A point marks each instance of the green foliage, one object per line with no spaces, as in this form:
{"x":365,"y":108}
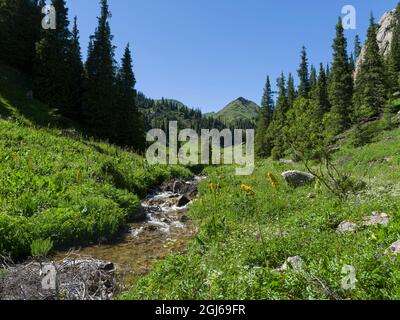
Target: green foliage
{"x":41,"y":248}
{"x":227,"y":259}
{"x":68,"y":189}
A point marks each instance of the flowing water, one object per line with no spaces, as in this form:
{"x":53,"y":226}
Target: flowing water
{"x":165,"y":230}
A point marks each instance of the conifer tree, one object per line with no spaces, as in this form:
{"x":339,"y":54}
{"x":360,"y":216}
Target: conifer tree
{"x":100,"y":88}
{"x":262,"y":143}
{"x":53,"y":80}
{"x":313,"y":78}
{"x":304,"y":86}
{"x":370,"y":87}
{"x":291,"y":91}
{"x":19,"y":31}
{"x":394,"y":55}
{"x":130,"y":128}
{"x":320,"y":95}
{"x":340,"y":85}
{"x":278,"y":125}
{"x":357,"y":47}
{"x":76,"y":74}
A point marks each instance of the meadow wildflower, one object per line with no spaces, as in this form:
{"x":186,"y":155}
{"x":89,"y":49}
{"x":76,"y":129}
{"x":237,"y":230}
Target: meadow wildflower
{"x":273,"y":180}
{"x":247,"y":189}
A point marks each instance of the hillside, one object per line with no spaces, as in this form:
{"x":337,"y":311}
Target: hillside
{"x":58,"y":185}
{"x":252,"y":225}
{"x":240,"y":109}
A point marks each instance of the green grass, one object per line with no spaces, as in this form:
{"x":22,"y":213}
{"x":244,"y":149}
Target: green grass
{"x":243,"y":238}
{"x":57,"y":185}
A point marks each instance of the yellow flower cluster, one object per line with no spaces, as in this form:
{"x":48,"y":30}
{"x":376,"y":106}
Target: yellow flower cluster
{"x":273,"y":180}
{"x":247,"y":189}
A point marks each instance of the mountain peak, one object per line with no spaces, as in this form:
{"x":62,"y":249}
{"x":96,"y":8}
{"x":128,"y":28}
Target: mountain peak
{"x":239,"y":109}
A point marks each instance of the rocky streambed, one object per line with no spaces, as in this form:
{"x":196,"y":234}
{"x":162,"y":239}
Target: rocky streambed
{"x":162,"y":228}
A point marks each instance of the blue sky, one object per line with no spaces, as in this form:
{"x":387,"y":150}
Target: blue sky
{"x":206,"y":53}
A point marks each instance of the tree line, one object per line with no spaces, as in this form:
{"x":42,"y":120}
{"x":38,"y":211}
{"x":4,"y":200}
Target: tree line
{"x":329,"y":101}
{"x":97,"y":93}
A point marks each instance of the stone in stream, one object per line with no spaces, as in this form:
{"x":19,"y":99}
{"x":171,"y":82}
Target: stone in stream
{"x":182,"y":201}
{"x":297,"y":178}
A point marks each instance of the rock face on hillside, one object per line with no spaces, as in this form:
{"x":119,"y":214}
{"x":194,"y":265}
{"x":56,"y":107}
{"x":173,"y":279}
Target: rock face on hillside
{"x":384,"y":36}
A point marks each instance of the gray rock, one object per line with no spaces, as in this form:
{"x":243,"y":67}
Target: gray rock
{"x":286,"y":161}
{"x":296,"y":263}
{"x":376,"y":219}
{"x":384,"y":37}
{"x":297,"y":178}
{"x":346,"y":226}
{"x":183,"y":201}
{"x":395,"y":248}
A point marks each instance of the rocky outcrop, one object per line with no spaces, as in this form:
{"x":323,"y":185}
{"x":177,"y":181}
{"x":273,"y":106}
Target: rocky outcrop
{"x":384,"y":37}
{"x":297,"y":178}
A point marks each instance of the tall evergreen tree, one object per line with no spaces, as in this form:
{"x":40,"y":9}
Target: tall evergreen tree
{"x":340,"y":85}
{"x":76,"y":74}
{"x":320,"y":94}
{"x":291,"y":91}
{"x":313,"y":78}
{"x":394,"y":55}
{"x":130,"y":128}
{"x":278,"y":125}
{"x":100,"y":88}
{"x":19,"y":31}
{"x":370,"y":87}
{"x":56,"y":68}
{"x":304,"y":86}
{"x":262,"y":143}
{"x":357,"y":47}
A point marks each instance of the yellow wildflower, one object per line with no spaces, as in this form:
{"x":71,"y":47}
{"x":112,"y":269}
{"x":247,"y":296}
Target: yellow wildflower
{"x":274,"y":181}
{"x":247,"y":189}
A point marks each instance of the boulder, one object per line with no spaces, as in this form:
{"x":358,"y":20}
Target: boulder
{"x":296,"y":263}
{"x":297,"y":178}
{"x":183,"y":201}
{"x":346,"y":226}
{"x":376,"y":219}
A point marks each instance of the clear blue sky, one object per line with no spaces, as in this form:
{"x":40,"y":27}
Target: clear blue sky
{"x":206,"y":53}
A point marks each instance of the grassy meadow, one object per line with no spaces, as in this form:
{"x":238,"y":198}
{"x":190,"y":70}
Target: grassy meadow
{"x":249,"y":226}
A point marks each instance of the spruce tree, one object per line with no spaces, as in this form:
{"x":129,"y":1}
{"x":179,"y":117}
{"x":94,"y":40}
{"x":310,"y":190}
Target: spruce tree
{"x":130,"y":128}
{"x":394,"y":55}
{"x":320,"y":94}
{"x":291,"y":91}
{"x":278,"y":125}
{"x":100,"y":88}
{"x":19,"y":31}
{"x":76,"y":74}
{"x":304,"y":86}
{"x":357,"y":47}
{"x":340,"y":85}
{"x":370,"y":87}
{"x":262,"y":143}
{"x":52,"y":81}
